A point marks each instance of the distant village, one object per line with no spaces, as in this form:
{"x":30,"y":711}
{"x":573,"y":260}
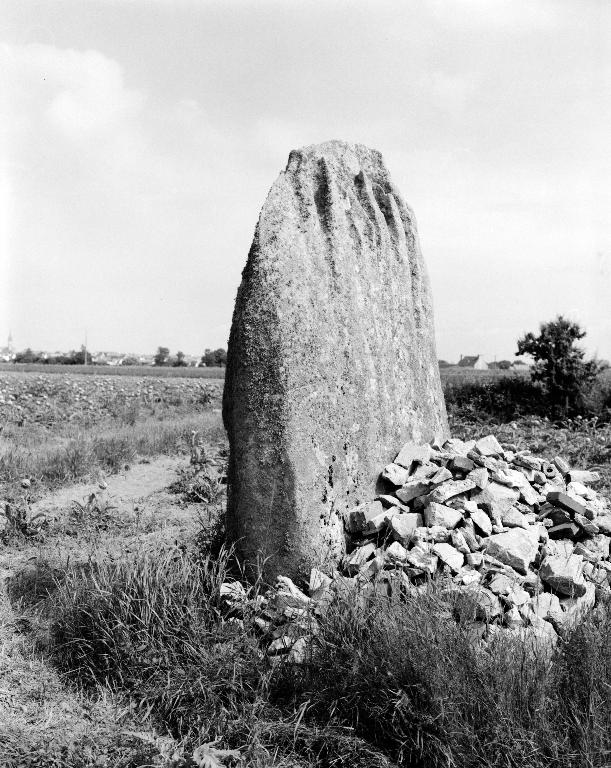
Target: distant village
{"x":162,"y":357}
{"x":216,"y":357}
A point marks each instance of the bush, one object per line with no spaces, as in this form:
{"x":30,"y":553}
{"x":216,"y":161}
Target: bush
{"x":505,"y":398}
{"x":560,"y":366}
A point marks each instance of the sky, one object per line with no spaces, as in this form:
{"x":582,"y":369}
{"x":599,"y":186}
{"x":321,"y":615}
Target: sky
{"x":139,"y":138}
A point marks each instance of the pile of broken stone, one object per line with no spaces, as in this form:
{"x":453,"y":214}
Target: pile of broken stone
{"x":525,"y":539}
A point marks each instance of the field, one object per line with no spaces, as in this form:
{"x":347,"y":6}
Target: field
{"x":118,"y":370}
{"x":117,"y":649}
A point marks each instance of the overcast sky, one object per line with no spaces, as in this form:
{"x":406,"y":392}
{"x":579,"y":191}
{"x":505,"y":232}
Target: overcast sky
{"x":139,"y":140}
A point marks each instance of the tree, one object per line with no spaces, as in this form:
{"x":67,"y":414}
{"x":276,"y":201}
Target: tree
{"x":27,"y":356}
{"x":216,"y":357}
{"x":161,"y":356}
{"x":559,"y":365}
{"x":179,"y":361}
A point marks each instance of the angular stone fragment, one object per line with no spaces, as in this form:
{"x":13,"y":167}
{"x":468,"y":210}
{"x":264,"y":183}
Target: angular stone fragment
{"x":513,"y":519}
{"x":486,"y":605}
{"x":564,"y":531}
{"x":450,"y":489}
{"x":395,"y":474}
{"x":411,"y":490}
{"x":545,"y":605}
{"x":564,"y":574}
{"x":461,"y":464}
{"x":358,"y":558}
{"x":475,"y":559}
{"x":459,"y":542}
{"x":392,"y":501}
{"x":442,"y":474}
{"x":488,"y":446}
{"x":449,"y":555}
{"x":582,"y":476}
{"x":470,"y":538}
{"x":438,"y":514}
{"x":359,"y":517}
{"x":411,"y":453}
{"x":331,"y":362}
{"x":496,"y":498}
{"x":586,"y":525}
{"x":562,"y":465}
{"x":423,"y":558}
{"x":482,"y":521}
{"x":579,"y":490}
{"x":396,"y":552}
{"x":318,"y":579}
{"x":566,"y":502}
{"x":527,"y":461}
{"x":516,"y":548}
{"x":403,"y":526}
{"x":479,"y":476}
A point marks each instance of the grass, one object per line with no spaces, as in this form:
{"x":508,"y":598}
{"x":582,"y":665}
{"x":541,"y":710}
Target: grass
{"x":86,"y":452}
{"x":153,"y":665}
{"x":395,"y":683}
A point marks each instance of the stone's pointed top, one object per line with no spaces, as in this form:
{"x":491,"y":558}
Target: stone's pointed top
{"x":350,"y":162}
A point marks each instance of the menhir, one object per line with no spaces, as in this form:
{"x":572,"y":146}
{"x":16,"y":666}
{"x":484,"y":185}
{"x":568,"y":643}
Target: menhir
{"x":331,"y":362}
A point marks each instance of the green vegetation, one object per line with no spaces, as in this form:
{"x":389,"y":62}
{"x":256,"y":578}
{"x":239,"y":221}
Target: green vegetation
{"x":565,"y":376}
{"x":59,"y":429}
{"x":392,"y":683}
{"x":136,"y":660}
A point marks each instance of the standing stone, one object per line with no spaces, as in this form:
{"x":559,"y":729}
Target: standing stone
{"x":331,"y":364}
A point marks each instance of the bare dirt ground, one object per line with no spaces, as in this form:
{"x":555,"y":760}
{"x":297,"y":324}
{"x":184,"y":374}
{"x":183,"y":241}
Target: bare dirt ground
{"x":134,"y":513}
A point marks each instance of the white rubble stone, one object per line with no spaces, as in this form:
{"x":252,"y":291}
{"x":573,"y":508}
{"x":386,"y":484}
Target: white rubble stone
{"x":422,"y":557}
{"x":439,"y":514}
{"x":496,"y":498}
{"x":459,"y":542}
{"x":564,"y":574}
{"x":412,"y":452}
{"x":359,"y":517}
{"x":545,"y":605}
{"x":403,"y":526}
{"x":441,"y":476}
{"x":516,"y":547}
{"x":475,"y":559}
{"x":482,"y":521}
{"x":580,"y":490}
{"x":412,"y":489}
{"x":359,"y":557}
{"x":318,"y":579}
{"x":396,"y":552}
{"x":468,"y":576}
{"x":479,"y":476}
{"x":512,"y":518}
{"x":395,"y":474}
{"x":470,"y":538}
{"x":587,"y":525}
{"x":488,"y":446}
{"x":500,"y":584}
{"x":449,"y":555}
{"x":450,"y":489}
{"x":582,"y":476}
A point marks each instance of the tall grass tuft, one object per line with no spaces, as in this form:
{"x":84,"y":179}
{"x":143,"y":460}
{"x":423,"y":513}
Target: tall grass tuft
{"x":395,"y":683}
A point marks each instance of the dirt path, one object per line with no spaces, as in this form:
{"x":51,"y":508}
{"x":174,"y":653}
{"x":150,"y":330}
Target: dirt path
{"x":134,"y":513}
